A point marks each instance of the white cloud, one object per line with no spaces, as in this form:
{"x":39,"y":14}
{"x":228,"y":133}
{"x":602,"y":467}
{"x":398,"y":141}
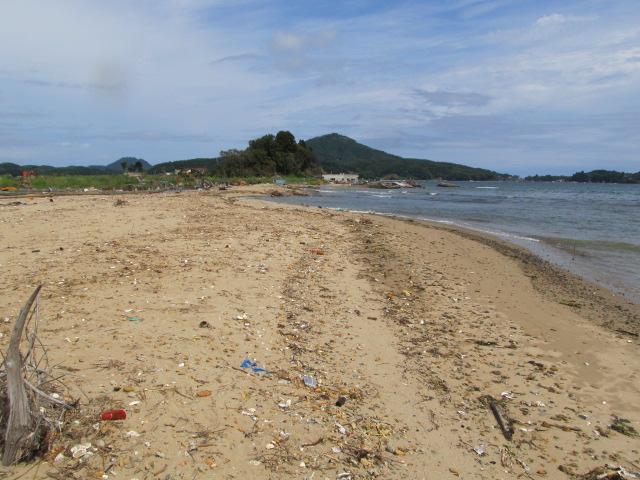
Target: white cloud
{"x":294,"y":42}
{"x":559,"y":19}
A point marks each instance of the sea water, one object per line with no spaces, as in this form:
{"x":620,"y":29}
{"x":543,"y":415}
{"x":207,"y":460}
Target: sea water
{"x":592,"y":230}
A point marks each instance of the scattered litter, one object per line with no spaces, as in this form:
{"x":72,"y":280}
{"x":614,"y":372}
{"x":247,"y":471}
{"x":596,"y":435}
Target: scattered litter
{"x":114,"y":415}
{"x":608,"y":472}
{"x":135,"y":402}
{"x":134,"y":319}
{"x":341,"y":429}
{"x":242,"y":316}
{"x":203,"y":393}
{"x":309,"y":381}
{"x":253,"y":366}
{"x":132,"y":434}
{"x":270,"y":446}
{"x":480,"y":449}
{"x":204,"y":324}
{"x":507,"y":394}
{"x":81,"y":450}
{"x":286,"y":404}
{"x":336,"y":449}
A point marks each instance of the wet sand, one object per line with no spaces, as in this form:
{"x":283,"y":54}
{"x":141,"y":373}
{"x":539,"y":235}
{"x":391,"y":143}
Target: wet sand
{"x":412,"y":324}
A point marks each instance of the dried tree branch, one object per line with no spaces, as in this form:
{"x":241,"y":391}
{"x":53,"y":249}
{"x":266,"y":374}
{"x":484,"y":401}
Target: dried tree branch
{"x":20,"y":422}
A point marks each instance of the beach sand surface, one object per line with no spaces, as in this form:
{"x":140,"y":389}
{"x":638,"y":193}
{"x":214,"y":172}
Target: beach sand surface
{"x":153,"y":305}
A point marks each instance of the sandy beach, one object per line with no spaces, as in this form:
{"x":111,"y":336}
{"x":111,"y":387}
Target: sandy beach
{"x":381,"y":340}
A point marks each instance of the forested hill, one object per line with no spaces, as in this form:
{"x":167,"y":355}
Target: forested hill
{"x":268,"y":155}
{"x":337,"y":153}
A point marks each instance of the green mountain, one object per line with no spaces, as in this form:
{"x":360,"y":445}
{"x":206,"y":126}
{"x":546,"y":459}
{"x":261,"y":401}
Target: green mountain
{"x":337,"y":153}
{"x":15,"y":170}
{"x":211,"y":164}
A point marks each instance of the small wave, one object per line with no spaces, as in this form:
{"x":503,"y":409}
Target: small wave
{"x":488,"y":188}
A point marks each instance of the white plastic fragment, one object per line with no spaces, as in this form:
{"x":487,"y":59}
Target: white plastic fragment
{"x":81,"y":450}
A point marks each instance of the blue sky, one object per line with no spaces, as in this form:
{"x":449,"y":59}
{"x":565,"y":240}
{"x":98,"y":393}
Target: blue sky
{"x":520,"y":86}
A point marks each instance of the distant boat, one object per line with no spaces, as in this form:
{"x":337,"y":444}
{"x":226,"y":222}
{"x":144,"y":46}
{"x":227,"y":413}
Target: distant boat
{"x":444,"y":183}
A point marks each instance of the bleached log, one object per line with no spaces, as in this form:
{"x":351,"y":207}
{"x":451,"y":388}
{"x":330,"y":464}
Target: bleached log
{"x":20,"y":422}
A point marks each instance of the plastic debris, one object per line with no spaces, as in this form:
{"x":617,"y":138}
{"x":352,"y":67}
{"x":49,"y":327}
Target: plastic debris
{"x":118,"y":414}
{"x":204,"y":393}
{"x":480,"y":449}
{"x":246,"y":363}
{"x":286,"y":404}
{"x":309,"y":381}
{"x":341,"y":429}
{"x":132,"y":434}
{"x":81,"y":450}
{"x":134,"y":319}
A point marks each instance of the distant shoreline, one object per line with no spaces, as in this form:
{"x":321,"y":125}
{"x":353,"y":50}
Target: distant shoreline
{"x":600,"y":304}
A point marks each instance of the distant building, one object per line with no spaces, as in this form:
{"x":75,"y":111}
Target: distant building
{"x":191,"y":172}
{"x":341,"y":177}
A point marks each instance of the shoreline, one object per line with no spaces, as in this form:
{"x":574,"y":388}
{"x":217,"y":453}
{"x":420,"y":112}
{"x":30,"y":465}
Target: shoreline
{"x":380,"y":337}
{"x":603,"y":305}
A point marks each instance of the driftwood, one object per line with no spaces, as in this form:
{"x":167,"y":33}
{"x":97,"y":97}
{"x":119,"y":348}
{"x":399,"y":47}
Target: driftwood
{"x":27,"y":387}
{"x":20,"y":422}
{"x":501,"y":418}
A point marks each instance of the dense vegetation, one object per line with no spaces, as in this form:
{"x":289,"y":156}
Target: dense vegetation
{"x":131,"y":164}
{"x":337,"y":153}
{"x":595,"y":176}
{"x":269,"y":155}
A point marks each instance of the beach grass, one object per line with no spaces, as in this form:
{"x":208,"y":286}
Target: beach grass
{"x":9,"y":181}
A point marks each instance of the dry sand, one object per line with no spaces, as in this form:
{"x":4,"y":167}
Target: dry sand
{"x":412,"y":324}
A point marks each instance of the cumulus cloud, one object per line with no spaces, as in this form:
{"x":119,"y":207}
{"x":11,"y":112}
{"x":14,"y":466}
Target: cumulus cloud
{"x":170,"y":79}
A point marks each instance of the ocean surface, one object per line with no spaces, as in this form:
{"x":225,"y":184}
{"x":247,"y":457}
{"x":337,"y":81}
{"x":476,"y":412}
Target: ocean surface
{"x":592,"y":230}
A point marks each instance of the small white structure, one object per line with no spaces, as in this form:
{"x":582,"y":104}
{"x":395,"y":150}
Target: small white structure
{"x":341,"y":177}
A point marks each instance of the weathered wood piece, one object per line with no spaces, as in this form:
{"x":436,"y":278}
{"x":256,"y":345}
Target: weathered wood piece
{"x":20,"y":421}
